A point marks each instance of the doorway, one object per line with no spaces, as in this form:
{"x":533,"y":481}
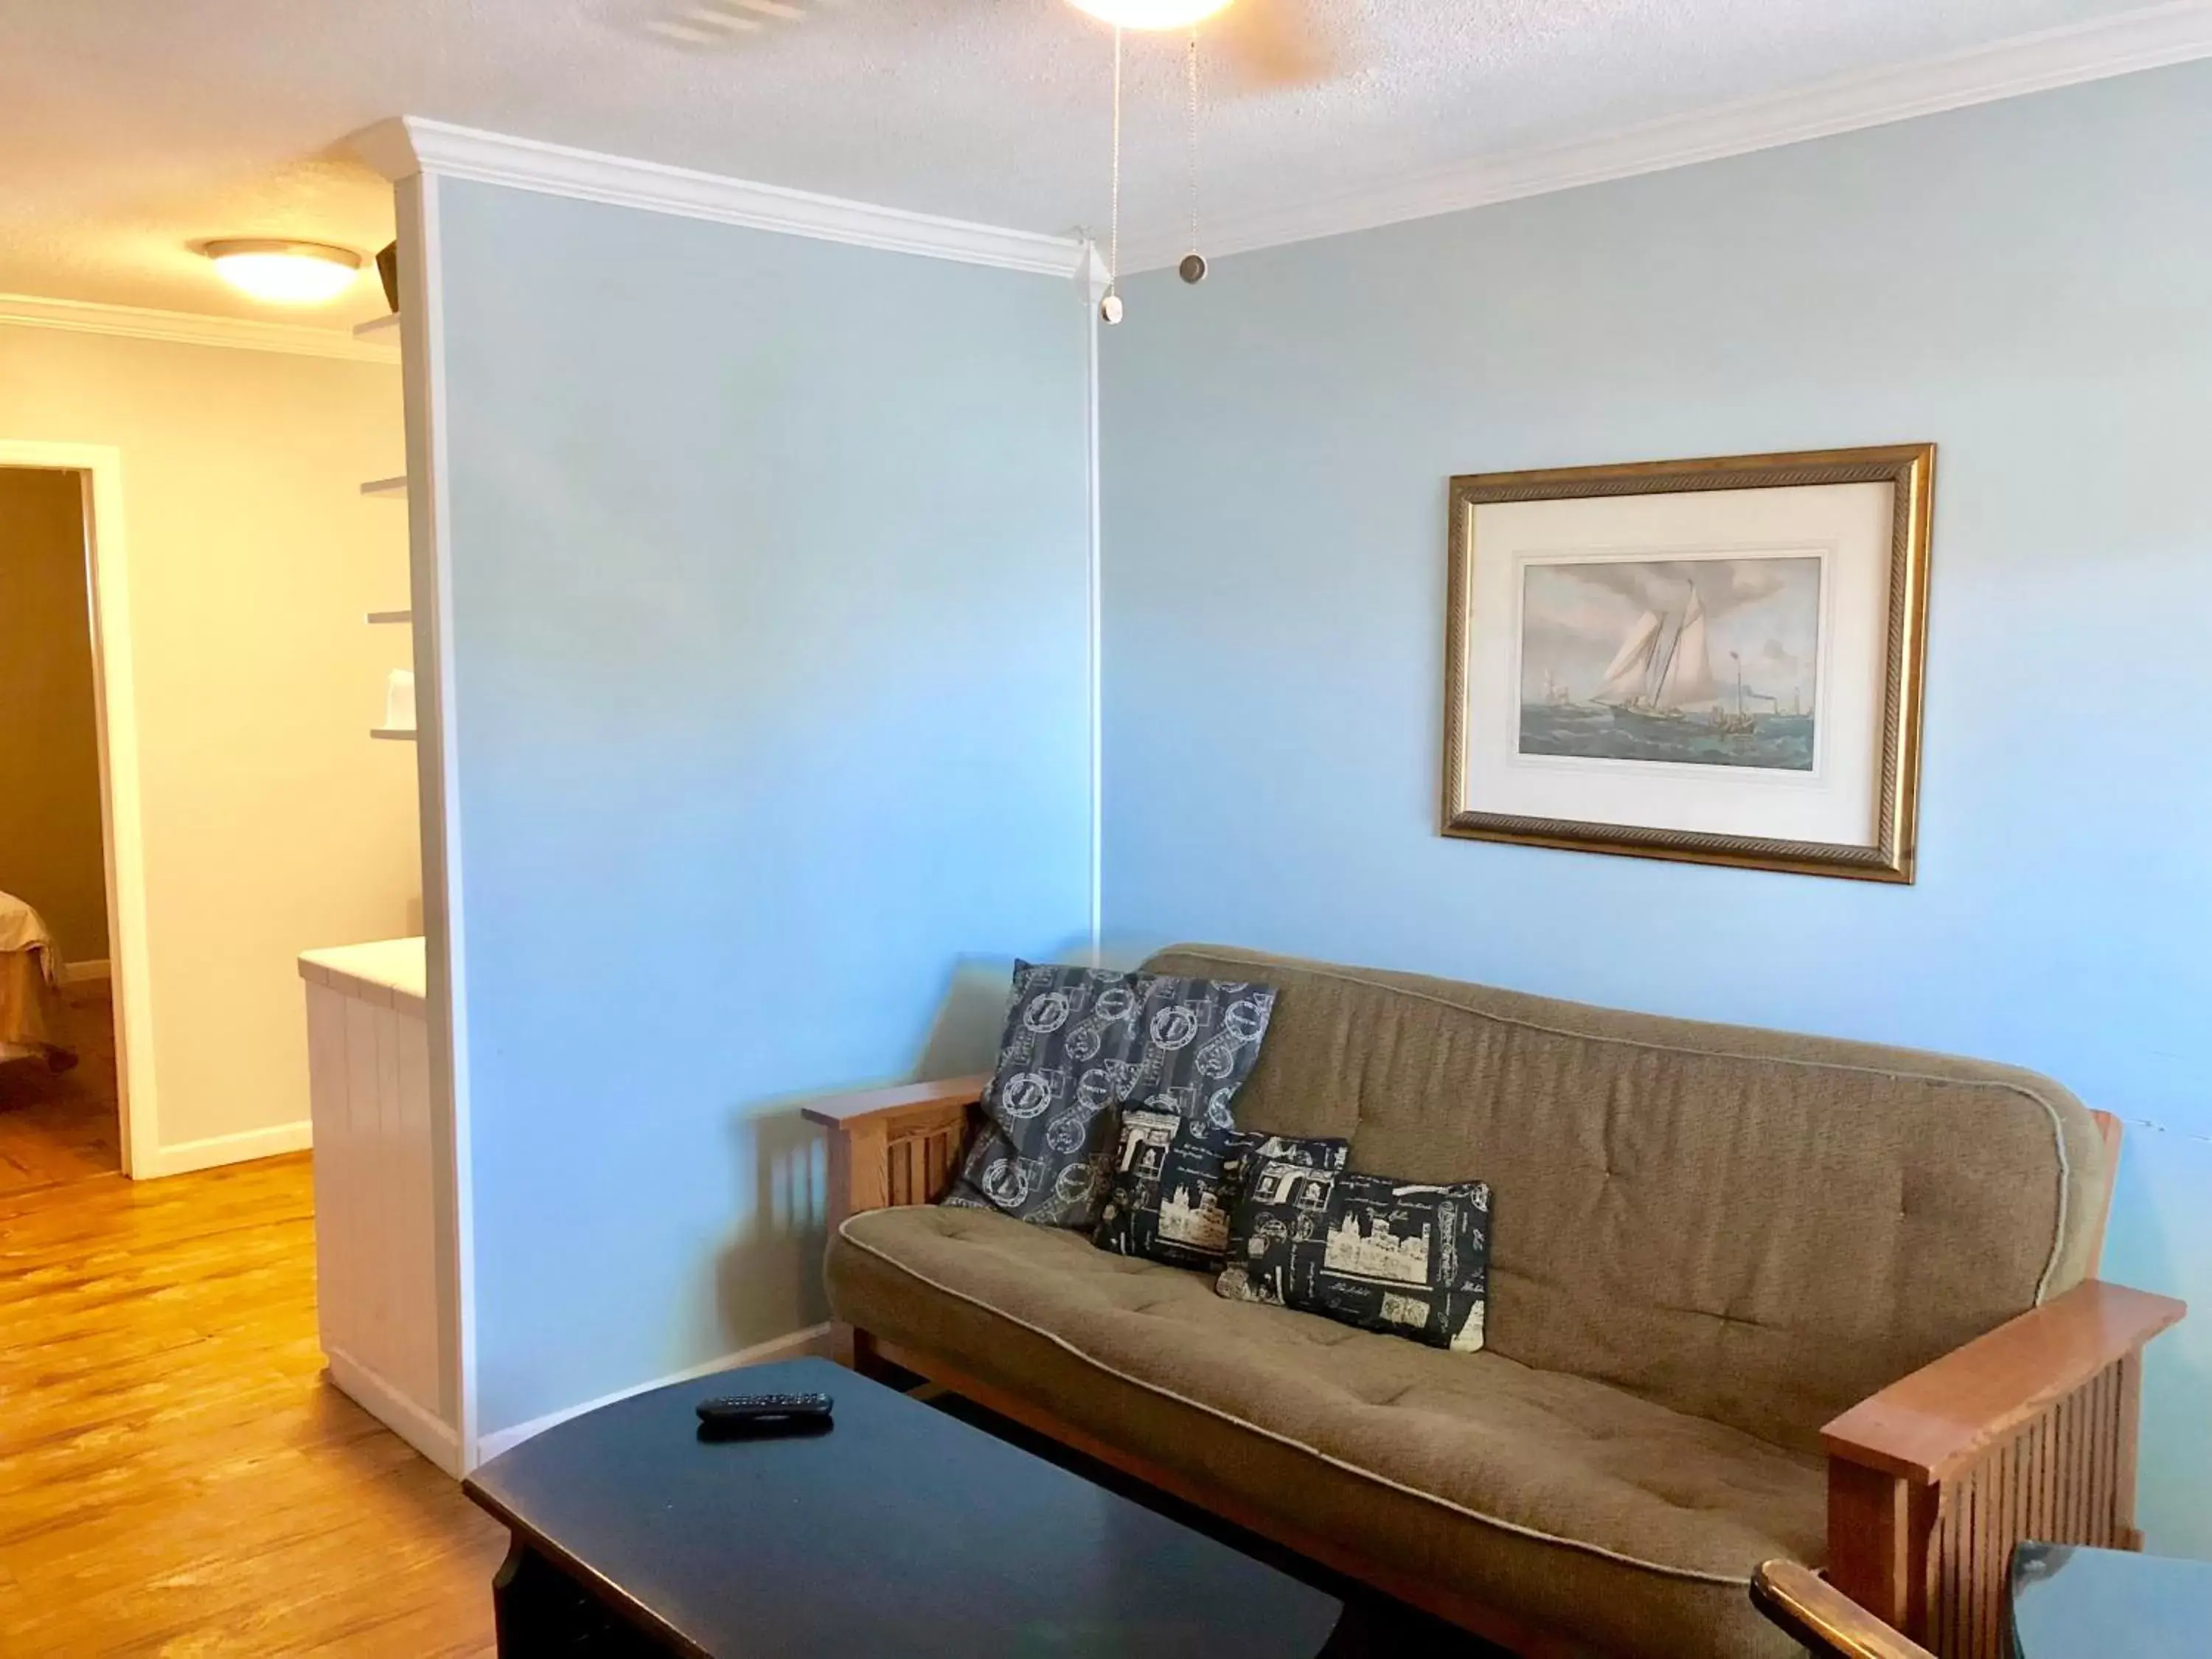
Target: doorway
{"x":71,"y":885}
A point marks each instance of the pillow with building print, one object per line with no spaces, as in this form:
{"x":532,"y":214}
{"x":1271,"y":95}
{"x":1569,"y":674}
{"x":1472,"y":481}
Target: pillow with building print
{"x":1080,"y":1041}
{"x":1174,"y":1180}
{"x":1407,"y":1258}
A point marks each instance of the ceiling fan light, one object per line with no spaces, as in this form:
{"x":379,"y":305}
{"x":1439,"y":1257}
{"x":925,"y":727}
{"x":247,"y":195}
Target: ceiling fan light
{"x":1151,"y":14}
{"x":284,"y":273}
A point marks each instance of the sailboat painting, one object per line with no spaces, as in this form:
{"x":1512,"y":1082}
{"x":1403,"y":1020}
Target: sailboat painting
{"x":1696,"y":661}
{"x":1716,"y":660}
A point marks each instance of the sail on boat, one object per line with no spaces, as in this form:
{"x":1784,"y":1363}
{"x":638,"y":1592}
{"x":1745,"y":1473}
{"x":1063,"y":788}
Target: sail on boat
{"x":1628,"y":676}
{"x":1687,"y":676}
{"x":1657,"y":678}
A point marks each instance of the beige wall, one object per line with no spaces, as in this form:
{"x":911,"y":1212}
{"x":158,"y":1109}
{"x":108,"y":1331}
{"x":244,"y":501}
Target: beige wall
{"x":272,"y":823}
{"x":50,"y":845}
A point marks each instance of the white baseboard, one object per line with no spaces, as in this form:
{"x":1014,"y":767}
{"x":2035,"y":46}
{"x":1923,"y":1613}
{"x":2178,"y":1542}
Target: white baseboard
{"x":815,"y":1339}
{"x":76,"y":972}
{"x":425,"y":1430}
{"x":189,"y":1155}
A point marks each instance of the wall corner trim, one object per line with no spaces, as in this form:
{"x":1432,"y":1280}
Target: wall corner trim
{"x":190,"y":328}
{"x":420,"y":1428}
{"x":387,"y":147}
{"x":2149,"y":37}
{"x":408,"y":144}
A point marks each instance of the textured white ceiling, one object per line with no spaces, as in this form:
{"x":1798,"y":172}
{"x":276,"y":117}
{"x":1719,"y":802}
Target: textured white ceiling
{"x":130,"y":128}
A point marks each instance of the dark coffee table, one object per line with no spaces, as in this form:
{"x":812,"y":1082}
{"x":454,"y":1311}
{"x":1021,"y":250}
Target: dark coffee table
{"x":2071,"y":1601}
{"x":900,"y":1533}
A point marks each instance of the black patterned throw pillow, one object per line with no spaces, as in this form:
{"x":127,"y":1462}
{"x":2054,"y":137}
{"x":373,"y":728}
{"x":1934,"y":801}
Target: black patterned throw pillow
{"x":1403,"y":1257}
{"x":1174,"y":1180}
{"x":1079,"y":1041}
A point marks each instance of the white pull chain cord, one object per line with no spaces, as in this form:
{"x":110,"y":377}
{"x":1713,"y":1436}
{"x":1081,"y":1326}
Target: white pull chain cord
{"x":1110,"y":307}
{"x":1193,"y":268}
{"x":1193,"y":78}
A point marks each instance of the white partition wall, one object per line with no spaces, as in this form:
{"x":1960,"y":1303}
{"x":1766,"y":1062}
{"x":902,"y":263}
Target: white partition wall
{"x":382,"y":1306}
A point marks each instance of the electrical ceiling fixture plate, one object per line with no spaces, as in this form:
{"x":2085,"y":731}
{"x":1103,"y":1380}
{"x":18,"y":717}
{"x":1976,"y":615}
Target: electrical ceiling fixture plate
{"x":1151,"y":14}
{"x":288,"y":273}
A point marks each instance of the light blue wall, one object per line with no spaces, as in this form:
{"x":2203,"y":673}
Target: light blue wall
{"x":770,"y":576}
{"x":2027,"y":284}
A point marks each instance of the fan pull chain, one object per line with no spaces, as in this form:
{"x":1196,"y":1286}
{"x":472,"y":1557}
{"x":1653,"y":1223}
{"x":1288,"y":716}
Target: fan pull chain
{"x":1110,"y":307}
{"x":1193,"y":268}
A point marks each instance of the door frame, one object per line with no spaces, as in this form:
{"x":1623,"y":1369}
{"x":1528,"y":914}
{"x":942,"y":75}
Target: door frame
{"x":115,"y":708}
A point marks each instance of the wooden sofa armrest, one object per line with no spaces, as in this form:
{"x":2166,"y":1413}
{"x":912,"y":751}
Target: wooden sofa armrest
{"x":896,"y":1145}
{"x":2027,"y":1432}
{"x":1947,"y":1414}
{"x":891,"y":1146}
{"x":900,"y":1100}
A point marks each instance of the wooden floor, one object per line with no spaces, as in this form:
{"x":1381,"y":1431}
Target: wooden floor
{"x":61,"y":1126}
{"x":175,"y":1476}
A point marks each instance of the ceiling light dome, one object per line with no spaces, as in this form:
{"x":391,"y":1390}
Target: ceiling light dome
{"x":1151,"y":14}
{"x":286,"y":273}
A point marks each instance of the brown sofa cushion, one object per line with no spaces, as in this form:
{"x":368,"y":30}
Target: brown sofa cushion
{"x":1546,"y":1495}
{"x":1750,"y":1226}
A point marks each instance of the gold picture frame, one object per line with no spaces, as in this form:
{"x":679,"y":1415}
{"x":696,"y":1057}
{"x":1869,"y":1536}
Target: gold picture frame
{"x":1563,"y":739}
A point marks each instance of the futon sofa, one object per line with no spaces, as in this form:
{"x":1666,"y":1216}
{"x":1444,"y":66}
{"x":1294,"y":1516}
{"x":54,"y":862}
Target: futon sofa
{"x":1751,"y":1296}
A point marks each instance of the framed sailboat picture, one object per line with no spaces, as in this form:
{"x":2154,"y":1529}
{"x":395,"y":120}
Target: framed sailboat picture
{"x":1713,"y":660}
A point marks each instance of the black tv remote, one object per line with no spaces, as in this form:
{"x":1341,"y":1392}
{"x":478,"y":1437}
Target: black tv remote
{"x":761,"y":1412}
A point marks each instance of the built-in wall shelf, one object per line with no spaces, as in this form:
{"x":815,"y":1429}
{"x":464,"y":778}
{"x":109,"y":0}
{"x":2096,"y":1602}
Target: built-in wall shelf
{"x":399,"y":693}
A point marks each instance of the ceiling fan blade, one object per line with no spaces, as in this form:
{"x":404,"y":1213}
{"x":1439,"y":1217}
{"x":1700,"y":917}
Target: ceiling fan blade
{"x":1264,"y":45}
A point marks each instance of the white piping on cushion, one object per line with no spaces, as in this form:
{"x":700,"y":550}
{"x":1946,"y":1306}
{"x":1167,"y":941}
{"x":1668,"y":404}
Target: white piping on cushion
{"x":1690,"y":1574}
{"x":1259,"y":959}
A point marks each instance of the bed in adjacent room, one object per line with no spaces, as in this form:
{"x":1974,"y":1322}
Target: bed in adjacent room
{"x":30,"y":1024}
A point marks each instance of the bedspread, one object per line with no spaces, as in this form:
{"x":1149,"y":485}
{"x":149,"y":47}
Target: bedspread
{"x":30,"y":1001}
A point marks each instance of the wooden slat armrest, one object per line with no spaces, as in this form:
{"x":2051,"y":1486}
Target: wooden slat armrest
{"x":839,"y":1111}
{"x":892,"y":1147}
{"x":1927,"y":1426}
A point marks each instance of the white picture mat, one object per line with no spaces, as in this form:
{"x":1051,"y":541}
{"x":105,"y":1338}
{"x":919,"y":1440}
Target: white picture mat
{"x":1848,"y":526}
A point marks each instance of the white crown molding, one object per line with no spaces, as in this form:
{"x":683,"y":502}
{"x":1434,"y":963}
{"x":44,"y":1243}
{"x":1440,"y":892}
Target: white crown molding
{"x":408,"y":144}
{"x":2150,"y":38}
{"x":188,"y":328}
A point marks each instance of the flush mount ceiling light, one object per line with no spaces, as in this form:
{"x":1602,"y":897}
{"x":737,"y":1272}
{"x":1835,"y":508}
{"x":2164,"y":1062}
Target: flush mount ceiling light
{"x":286,"y":273}
{"x":1151,"y":14}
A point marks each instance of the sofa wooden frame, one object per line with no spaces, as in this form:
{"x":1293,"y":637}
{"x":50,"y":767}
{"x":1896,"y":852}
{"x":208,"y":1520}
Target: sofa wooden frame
{"x":2028,"y":1431}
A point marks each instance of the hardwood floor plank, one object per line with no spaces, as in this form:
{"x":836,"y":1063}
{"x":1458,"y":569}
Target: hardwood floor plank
{"x":177,"y":1477}
{"x":60,"y":1127}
